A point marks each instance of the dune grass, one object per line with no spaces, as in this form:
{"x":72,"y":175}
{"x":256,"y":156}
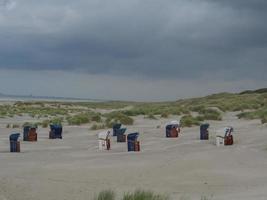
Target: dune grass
{"x":151,"y":116}
{"x":105,"y":195}
{"x":118,"y":117}
{"x":78,"y":119}
{"x":143,"y":195}
{"x":164,"y":115}
{"x":15,"y":126}
{"x":210,"y":114}
{"x":189,"y":121}
{"x":98,"y":126}
{"x":136,"y":195}
{"x":45,"y":123}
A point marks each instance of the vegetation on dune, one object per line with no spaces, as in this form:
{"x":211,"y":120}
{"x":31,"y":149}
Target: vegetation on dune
{"x":259,"y":91}
{"x":252,"y":104}
{"x":226,"y":102}
{"x":257,"y":114}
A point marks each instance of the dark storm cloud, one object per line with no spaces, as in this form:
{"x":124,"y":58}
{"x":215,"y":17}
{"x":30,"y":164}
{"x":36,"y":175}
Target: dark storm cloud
{"x":173,"y":38}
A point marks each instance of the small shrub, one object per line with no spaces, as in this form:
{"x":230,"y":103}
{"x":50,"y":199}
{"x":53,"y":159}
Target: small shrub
{"x":185,"y":111}
{"x":164,"y":115}
{"x":30,"y":124}
{"x":150,"y":116}
{"x":56,"y":120}
{"x":244,"y":115}
{"x":118,"y":117}
{"x":26,"y":124}
{"x":258,"y":114}
{"x":78,"y":119}
{"x":105,"y":195}
{"x":200,"y":118}
{"x":45,"y":123}
{"x":188,"y":121}
{"x":264,"y":120}
{"x":15,"y":126}
{"x":210,"y":114}
{"x":198,"y":108}
{"x":96,"y":118}
{"x":143,"y":195}
{"x":8,"y":126}
{"x":206,"y":198}
{"x":97,"y":126}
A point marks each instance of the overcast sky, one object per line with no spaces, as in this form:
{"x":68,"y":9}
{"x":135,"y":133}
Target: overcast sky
{"x":134,"y":49}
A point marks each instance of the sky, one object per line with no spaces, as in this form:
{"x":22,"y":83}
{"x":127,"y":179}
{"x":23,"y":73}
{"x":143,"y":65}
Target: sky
{"x":142,"y":50}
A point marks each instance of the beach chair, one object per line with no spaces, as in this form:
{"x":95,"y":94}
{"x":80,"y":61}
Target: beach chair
{"x":224,"y":137}
{"x":104,"y":140}
{"x":172,"y":129}
{"x":55,"y":131}
{"x":204,"y":132}
{"x":29,"y":133}
{"x":116,"y":127}
{"x":14,"y":143}
{"x":228,"y":138}
{"x":132,"y":142}
{"x":121,"y":137}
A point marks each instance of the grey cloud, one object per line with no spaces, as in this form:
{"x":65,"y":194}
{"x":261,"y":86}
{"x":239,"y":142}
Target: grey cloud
{"x":151,"y":38}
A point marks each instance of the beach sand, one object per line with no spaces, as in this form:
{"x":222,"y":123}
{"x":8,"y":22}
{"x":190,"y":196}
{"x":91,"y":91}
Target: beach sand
{"x":184,"y":167}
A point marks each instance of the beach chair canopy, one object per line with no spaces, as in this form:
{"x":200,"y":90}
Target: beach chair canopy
{"x":204,"y":126}
{"x":56,"y":130}
{"x":29,"y":126}
{"x":116,"y":126}
{"x":121,"y":131}
{"x":228,"y":131}
{"x":132,"y":136}
{"x":172,"y":124}
{"x":225,"y":131}
{"x":104,"y":135}
{"x":55,"y":126}
{"x":14,"y":136}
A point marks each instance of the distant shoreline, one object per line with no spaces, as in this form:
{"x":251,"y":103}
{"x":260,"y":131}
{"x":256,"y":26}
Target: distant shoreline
{"x":58,"y":99}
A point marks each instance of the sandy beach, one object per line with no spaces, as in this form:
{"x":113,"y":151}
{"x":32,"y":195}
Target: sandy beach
{"x":184,"y":168}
